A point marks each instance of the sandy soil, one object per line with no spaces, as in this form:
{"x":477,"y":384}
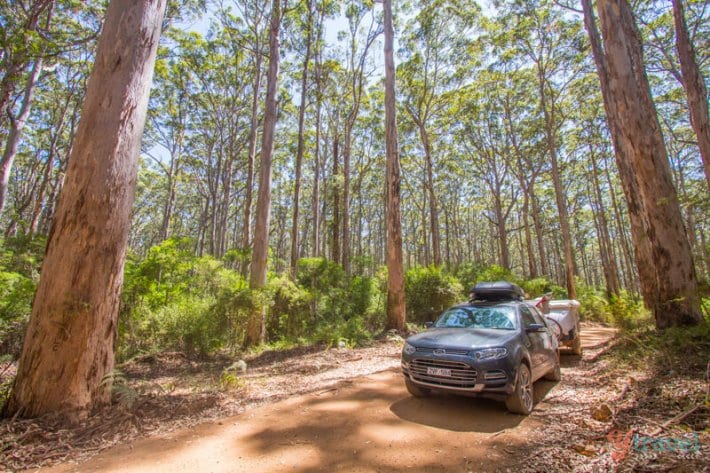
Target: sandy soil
{"x":368,"y":423}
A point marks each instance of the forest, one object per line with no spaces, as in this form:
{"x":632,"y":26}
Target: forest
{"x":279,"y":203}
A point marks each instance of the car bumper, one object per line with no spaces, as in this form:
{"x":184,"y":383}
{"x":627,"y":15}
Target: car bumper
{"x":465,"y":376}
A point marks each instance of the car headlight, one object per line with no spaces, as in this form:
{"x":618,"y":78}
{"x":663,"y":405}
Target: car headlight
{"x":409,"y":349}
{"x":491,"y":354}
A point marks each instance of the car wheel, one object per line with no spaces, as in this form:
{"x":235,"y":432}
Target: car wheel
{"x":577,"y":343}
{"x":415,"y":390}
{"x":521,"y":401}
{"x":555,"y":373}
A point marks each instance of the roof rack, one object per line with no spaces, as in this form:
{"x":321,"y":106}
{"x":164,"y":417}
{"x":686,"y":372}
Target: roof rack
{"x":497,"y":291}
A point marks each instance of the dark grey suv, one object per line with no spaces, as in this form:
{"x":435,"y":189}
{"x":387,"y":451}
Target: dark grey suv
{"x":496,"y":345}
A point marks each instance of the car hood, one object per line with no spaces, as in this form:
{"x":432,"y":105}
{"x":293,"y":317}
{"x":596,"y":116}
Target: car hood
{"x":462,"y":338}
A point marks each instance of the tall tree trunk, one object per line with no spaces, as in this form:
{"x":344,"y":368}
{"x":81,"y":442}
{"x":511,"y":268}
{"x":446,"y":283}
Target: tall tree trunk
{"x":347,"y":152}
{"x":69,"y":343}
{"x":299,"y":151}
{"x":694,"y":86}
{"x":253,"y":132}
{"x":675,"y":299}
{"x":433,"y":208}
{"x":336,"y":195}
{"x":316,"y":154}
{"x":548,"y":109}
{"x":255,"y":325}
{"x":642,"y":248}
{"x":395,"y":270}
{"x":611,"y":272}
{"x":17,"y":124}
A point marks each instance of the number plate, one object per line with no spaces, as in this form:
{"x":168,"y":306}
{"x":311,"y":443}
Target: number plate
{"x":439,"y":372}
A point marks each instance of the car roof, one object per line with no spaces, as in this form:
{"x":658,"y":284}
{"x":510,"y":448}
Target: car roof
{"x":488,"y":304}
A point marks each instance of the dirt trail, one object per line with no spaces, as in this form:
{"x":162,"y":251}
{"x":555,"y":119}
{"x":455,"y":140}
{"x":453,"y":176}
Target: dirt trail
{"x":368,"y":423}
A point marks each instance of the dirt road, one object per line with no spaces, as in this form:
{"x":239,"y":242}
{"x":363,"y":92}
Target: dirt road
{"x":368,"y":424}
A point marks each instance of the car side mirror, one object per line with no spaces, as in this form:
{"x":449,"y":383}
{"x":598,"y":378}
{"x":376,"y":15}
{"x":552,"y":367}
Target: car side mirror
{"x":428,"y":324}
{"x":535,"y":328}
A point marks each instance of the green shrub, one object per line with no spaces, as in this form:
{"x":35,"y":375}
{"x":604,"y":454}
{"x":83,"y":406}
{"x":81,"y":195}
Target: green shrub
{"x":16,"y":293}
{"x":538,"y":286}
{"x":290,"y":311}
{"x":428,"y":291}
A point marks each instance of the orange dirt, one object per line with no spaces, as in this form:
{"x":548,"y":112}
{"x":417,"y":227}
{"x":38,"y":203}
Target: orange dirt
{"x":368,"y":423}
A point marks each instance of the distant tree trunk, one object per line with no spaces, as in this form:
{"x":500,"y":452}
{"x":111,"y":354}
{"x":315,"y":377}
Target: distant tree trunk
{"x":13,"y":64}
{"x":253,"y":132}
{"x":537,"y":221}
{"x":69,"y":343}
{"x":255,"y":325}
{"x":674,"y":299}
{"x":173,"y":170}
{"x":532,"y":267}
{"x":548,"y":109}
{"x":395,"y":270}
{"x":694,"y":86}
{"x":607,"y":252}
{"x":336,"y":195}
{"x":48,"y":169}
{"x":433,"y":208}
{"x":299,"y":151}
{"x":316,"y":156}
{"x":17,"y":124}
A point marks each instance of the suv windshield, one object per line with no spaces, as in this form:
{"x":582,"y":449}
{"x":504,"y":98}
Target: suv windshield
{"x":496,"y":317}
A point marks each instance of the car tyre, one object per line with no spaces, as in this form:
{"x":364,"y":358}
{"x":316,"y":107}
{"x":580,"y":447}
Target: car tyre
{"x":414,"y":390}
{"x":521,"y":401}
{"x":555,"y":374}
{"x":577,"y":343}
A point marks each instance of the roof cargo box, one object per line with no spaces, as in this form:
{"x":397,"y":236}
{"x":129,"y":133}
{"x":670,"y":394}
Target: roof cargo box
{"x":497,"y":291}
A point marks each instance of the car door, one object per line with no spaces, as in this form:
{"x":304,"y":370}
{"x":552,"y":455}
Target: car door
{"x":535,"y":342}
{"x":548,"y":354}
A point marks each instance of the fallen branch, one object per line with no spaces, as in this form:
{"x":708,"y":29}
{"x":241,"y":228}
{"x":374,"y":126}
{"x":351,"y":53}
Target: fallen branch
{"x":674,"y":420}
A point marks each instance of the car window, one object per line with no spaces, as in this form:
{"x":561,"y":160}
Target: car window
{"x":496,"y":317}
{"x":528,"y":318}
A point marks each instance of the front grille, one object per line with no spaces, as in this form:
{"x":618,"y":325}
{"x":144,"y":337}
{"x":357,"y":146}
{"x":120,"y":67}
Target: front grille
{"x":447,"y":351}
{"x":462,"y":375}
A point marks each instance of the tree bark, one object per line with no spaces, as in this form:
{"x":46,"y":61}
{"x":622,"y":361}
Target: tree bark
{"x":69,"y":343}
{"x":674,"y":299}
{"x":299,"y":151}
{"x":253,"y":131}
{"x":395,"y":271}
{"x":433,"y":208}
{"x":694,"y":86}
{"x":255,"y":325}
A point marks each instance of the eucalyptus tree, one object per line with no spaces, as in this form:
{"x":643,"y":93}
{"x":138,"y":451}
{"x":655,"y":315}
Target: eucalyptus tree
{"x":41,"y":160}
{"x":694,"y":85}
{"x":257,"y":279}
{"x":247,"y":27}
{"x":437,"y":35}
{"x":307,"y":26}
{"x":670,"y":287}
{"x":34,"y":35}
{"x":543,"y":35}
{"x":485,"y":137}
{"x":69,"y":346}
{"x":396,"y":310}
{"x":364,"y":26}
